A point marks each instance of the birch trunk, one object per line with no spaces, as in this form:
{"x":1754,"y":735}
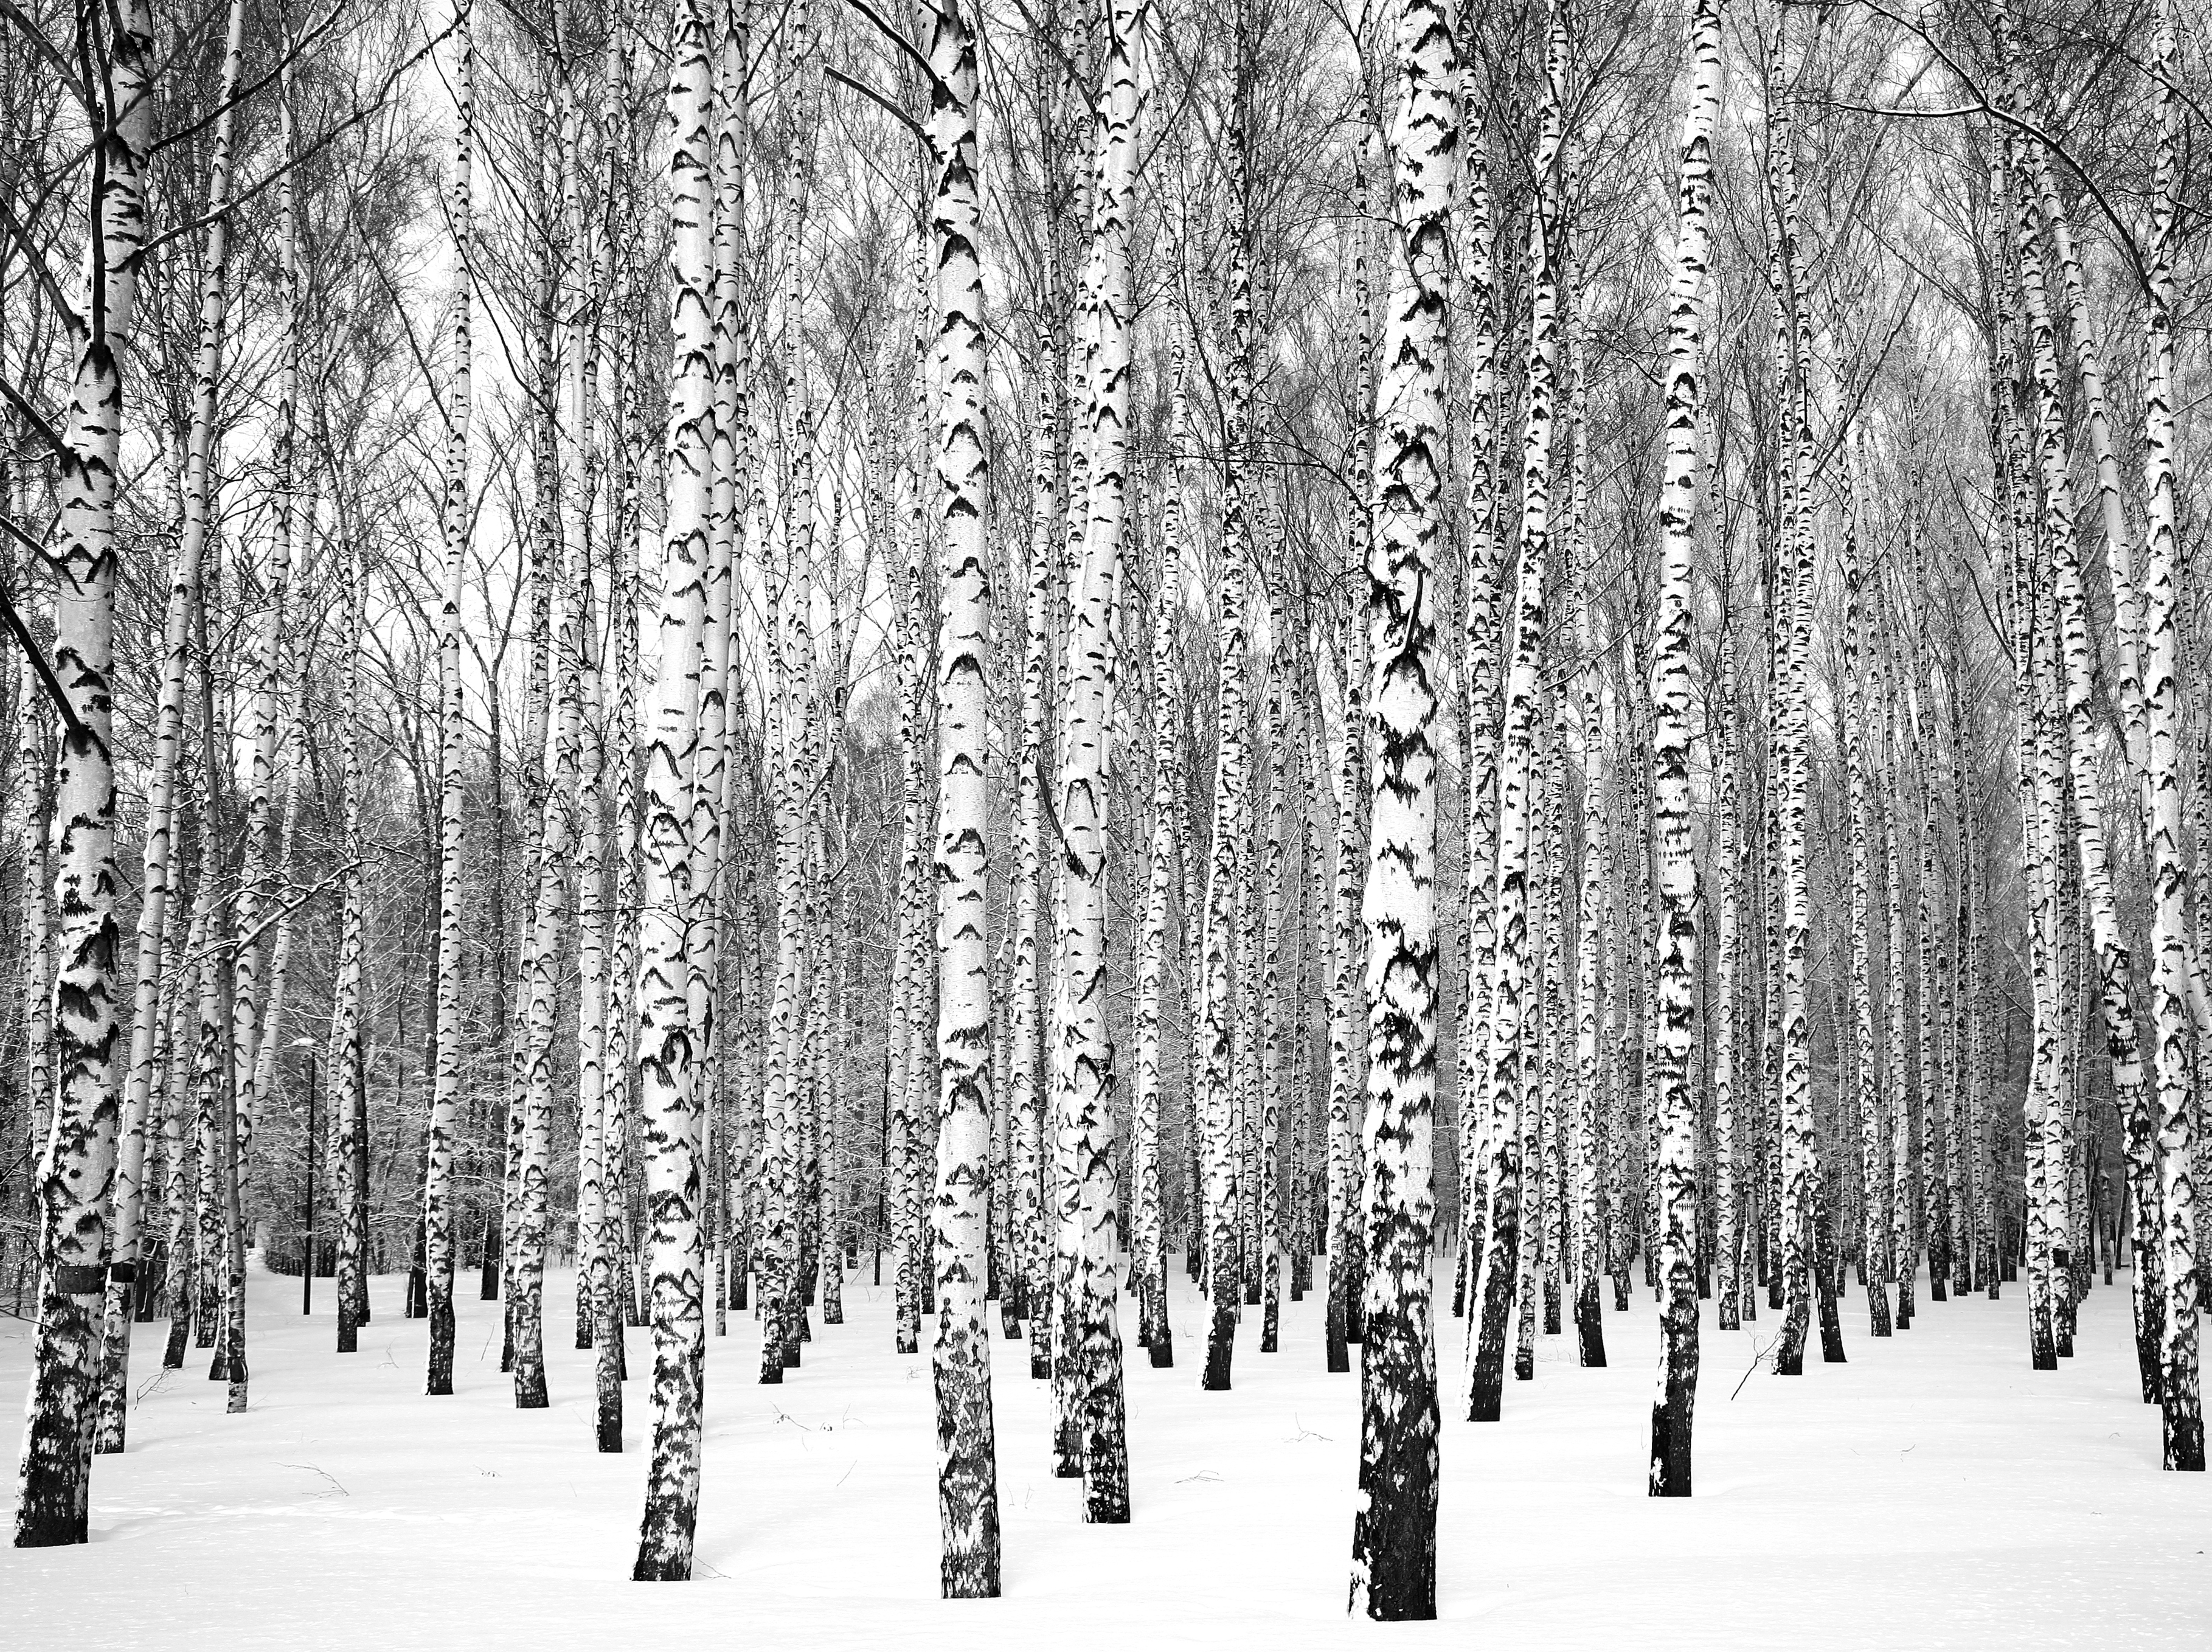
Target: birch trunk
{"x":1590,"y":988}
{"x":1800,"y":1169}
{"x":1865,"y":1083}
{"x":1026,"y":1102}
{"x":1485,"y":561}
{"x":1270,"y":1018}
{"x":1897,"y":1209}
{"x":1393,"y":1528}
{"x":968,"y":1496}
{"x":665,"y":1060}
{"x":176,"y":1150}
{"x":1489,"y":1325}
{"x":155,"y":889}
{"x":348,"y":1060}
{"x":1218,"y":1033}
{"x":445,"y":1095}
{"x":2182,"y":1417}
{"x":1083,"y":1064}
{"x":1733,"y":1150}
{"x":1347,"y":1289}
{"x":77,"y":1173}
{"x":1150,"y":1263}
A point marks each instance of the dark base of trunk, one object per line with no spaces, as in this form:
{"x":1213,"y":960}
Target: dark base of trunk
{"x":2184,"y":1438}
{"x":530,"y":1388}
{"x":1670,"y":1440}
{"x":2042,"y":1353}
{"x":1105,"y":1435}
{"x":607,"y":1421}
{"x":1589,"y":1323}
{"x":1494,"y":1302}
{"x":55,"y":1498}
{"x":487,"y":1275}
{"x":1394,"y":1535}
{"x":2150,"y":1327}
{"x":235,"y":1401}
{"x":442,"y":1350}
{"x":1790,"y":1347}
{"x":1220,"y":1344}
{"x":1831,"y":1324}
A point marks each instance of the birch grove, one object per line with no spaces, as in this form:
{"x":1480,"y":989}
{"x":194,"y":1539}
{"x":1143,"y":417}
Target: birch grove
{"x":896,"y":698}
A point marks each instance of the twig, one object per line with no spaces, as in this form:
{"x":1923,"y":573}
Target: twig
{"x":1758,"y":1354}
{"x":325,"y":1473}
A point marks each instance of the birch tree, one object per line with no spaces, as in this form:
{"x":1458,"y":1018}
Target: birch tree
{"x":1394,"y":1530}
{"x":664,"y":1063}
{"x":77,"y":1168}
{"x":967,"y":1493}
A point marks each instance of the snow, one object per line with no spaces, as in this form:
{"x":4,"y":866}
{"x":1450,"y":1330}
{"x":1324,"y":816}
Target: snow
{"x":1932,"y":1492}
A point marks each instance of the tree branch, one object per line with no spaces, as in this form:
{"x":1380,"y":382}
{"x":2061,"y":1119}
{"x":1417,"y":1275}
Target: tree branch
{"x":53,"y":685}
{"x":878,"y":99}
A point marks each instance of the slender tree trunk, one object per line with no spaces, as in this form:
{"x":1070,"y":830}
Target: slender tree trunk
{"x":968,"y":1494}
{"x":155,"y":889}
{"x":1393,"y":1538}
{"x":1866,"y":1088}
{"x":665,"y":1061}
{"x":1026,"y":1102}
{"x":1904,"y":1246}
{"x":445,"y":1095}
{"x":1150,"y":1264}
{"x":1800,"y":1169}
{"x":76,"y":1170}
{"x":1484,"y":562}
{"x":1513,"y":992}
{"x":1216,"y":1035}
{"x":176,"y":1148}
{"x":1084,"y":1063}
{"x":1590,"y":988}
{"x":1346,"y":1269}
{"x":2177,"y":1144}
{"x":1732,"y":1151}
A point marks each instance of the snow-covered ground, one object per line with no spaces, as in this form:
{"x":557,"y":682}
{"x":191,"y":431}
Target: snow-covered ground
{"x":1932,"y":1492}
